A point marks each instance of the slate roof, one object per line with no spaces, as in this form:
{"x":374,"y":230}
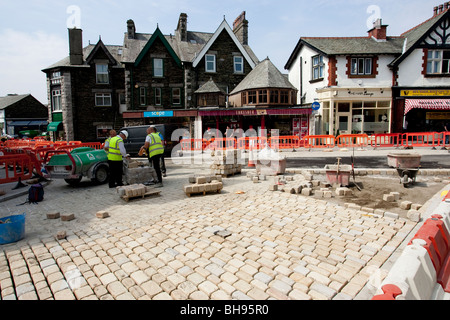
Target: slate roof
{"x":114,"y":50}
{"x":265,"y":75}
{"x":210,"y":87}
{"x":367,"y":45}
{"x":12,"y":99}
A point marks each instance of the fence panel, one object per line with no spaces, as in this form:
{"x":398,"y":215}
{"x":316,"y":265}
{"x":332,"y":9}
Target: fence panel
{"x":318,"y":141}
{"x":420,"y":139}
{"x":284,"y":142}
{"x":387,"y":140}
{"x":17,"y":167}
{"x":352,"y":140}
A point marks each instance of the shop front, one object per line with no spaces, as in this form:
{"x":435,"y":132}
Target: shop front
{"x":236,"y":122}
{"x":354,"y":111}
{"x":423,"y":110}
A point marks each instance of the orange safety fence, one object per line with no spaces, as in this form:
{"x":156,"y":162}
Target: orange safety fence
{"x":352,"y":140}
{"x":222,"y":144}
{"x":254,"y":143}
{"x":284,"y":142}
{"x":318,"y":141}
{"x":420,"y":139}
{"x":386,"y":140}
{"x":17,"y":167}
{"x":193,"y":144}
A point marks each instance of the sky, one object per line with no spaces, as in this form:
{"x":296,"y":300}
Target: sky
{"x":33,"y":33}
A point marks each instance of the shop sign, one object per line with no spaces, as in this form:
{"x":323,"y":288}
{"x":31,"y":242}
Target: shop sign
{"x":158,"y":114}
{"x":425,"y":93}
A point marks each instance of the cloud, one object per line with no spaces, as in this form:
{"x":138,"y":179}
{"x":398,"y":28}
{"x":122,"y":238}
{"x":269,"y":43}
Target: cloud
{"x":22,"y":57}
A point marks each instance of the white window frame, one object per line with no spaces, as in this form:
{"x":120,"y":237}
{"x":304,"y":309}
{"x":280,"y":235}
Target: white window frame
{"x":317,"y":67}
{"x":56,"y":78}
{"x":210,"y":63}
{"x":56,"y":101}
{"x":143,"y":96}
{"x":238,"y":62}
{"x":101,"y":73}
{"x":436,"y":62}
{"x":103,"y":99}
{"x":103,"y":127}
{"x":158,"y":67}
{"x":361,"y":66}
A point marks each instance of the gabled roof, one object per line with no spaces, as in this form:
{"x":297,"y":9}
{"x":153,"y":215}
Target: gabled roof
{"x":157,"y":35}
{"x":413,"y":38}
{"x":264,"y":75}
{"x":100,"y":46}
{"x":210,"y":87}
{"x":114,"y":51}
{"x":11,"y":99}
{"x":348,"y":46}
{"x":224,"y":26}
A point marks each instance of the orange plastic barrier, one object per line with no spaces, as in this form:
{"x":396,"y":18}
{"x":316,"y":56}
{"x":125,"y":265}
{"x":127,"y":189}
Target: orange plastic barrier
{"x":420,"y":139}
{"x":18,"y":166}
{"x":284,"y":142}
{"x":390,"y":292}
{"x":318,"y":141}
{"x":192,"y":144}
{"x":222,"y":144}
{"x":352,"y":140}
{"x":388,"y":140}
{"x":254,"y":143}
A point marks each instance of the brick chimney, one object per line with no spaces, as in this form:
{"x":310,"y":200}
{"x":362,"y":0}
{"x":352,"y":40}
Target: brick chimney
{"x":76,"y":46}
{"x":131,"y":29}
{"x":182,"y":27}
{"x":379,"y":31}
{"x":240,"y":28}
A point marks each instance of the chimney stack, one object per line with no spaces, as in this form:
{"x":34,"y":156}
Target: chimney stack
{"x":441,"y":8}
{"x":182,"y":27}
{"x":435,"y":11}
{"x":240,"y":28}
{"x":131,"y":29}
{"x":379,"y":31}
{"x":76,"y":46}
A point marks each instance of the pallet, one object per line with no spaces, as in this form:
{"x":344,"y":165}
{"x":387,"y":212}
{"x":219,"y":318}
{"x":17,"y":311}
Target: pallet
{"x":149,"y":193}
{"x":203,"y":192}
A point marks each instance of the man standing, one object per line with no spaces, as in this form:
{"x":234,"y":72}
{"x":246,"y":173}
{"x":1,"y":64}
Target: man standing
{"x":116,"y":154}
{"x":155,"y":149}
{"x":112,"y":134}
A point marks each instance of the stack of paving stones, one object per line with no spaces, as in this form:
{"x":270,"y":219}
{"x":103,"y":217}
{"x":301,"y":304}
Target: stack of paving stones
{"x":203,"y":184}
{"x":226,"y":163}
{"x":138,"y":172}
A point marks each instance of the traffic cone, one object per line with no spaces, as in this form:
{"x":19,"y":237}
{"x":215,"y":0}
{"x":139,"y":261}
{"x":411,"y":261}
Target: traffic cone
{"x":251,"y":162}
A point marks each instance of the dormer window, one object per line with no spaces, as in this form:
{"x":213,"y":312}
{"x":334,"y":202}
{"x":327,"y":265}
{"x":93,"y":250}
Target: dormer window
{"x":102,"y":74}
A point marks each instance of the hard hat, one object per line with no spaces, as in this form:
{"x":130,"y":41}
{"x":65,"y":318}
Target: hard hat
{"x":125,"y":133}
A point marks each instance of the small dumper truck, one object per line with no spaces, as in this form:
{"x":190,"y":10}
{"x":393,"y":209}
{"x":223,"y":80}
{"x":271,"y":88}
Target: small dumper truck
{"x":73,"y":166}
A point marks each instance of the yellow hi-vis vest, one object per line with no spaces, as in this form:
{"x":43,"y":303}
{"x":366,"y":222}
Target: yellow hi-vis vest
{"x":156,"y":146}
{"x":114,"y":150}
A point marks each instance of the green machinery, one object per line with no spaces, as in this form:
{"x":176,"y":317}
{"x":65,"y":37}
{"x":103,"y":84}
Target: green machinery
{"x":73,"y":166}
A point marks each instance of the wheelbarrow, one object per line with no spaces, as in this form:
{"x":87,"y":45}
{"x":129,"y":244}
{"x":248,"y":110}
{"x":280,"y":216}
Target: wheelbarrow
{"x":407,"y":166}
{"x":407,"y":175}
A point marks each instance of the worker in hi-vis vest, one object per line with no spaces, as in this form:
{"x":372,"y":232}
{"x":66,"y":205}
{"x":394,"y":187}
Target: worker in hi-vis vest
{"x":116,"y":154}
{"x":155,"y":150}
{"x":112,"y":134}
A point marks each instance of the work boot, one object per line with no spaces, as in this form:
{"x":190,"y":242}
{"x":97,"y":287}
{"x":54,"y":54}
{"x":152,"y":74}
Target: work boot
{"x":159,"y":185}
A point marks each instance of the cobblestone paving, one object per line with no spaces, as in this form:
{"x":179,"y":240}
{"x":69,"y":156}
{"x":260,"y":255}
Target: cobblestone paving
{"x":276,"y":245}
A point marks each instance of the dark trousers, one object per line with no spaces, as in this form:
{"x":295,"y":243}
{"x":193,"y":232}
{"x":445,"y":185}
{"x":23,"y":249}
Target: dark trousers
{"x":155,"y":161}
{"x":115,"y":173}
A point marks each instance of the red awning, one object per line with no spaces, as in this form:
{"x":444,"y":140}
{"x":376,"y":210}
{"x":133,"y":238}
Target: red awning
{"x":256,"y":112}
{"x":432,"y":104}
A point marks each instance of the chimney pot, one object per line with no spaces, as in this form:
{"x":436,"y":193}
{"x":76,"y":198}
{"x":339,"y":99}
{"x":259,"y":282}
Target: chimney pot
{"x":435,"y":10}
{"x":131,"y":29}
{"x":441,"y":8}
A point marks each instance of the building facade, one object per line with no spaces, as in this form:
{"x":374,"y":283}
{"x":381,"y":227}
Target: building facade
{"x":152,"y":78}
{"x":359,"y":83}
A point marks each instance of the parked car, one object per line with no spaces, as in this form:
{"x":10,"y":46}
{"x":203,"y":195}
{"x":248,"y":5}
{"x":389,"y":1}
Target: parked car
{"x":138,"y":134}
